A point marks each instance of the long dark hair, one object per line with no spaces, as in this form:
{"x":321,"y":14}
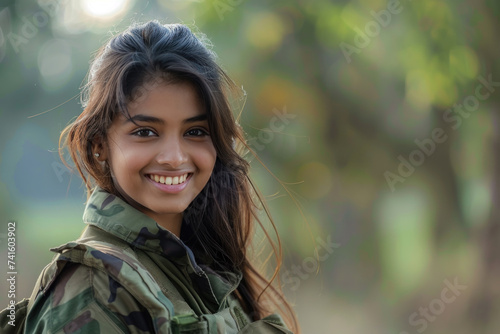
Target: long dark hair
{"x":224,"y":214}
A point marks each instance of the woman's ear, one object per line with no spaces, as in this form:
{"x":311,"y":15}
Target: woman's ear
{"x":100,"y":150}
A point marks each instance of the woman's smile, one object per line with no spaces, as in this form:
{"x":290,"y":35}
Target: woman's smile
{"x":170,"y":184}
{"x":169,"y":180}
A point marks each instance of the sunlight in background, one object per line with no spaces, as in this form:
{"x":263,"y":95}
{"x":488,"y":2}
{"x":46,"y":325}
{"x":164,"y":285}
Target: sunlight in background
{"x":105,"y":9}
{"x":77,"y":17}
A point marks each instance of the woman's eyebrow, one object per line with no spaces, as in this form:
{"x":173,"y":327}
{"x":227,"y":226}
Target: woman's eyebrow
{"x":202,"y":117}
{"x":144,"y":118}
{"x":152,"y":119}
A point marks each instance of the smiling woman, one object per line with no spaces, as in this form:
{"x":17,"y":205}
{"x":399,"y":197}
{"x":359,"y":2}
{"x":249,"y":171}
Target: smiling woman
{"x":171,"y":208}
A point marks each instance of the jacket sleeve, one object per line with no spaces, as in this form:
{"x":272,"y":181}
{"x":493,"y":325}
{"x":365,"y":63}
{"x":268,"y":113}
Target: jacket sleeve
{"x":86,"y":300}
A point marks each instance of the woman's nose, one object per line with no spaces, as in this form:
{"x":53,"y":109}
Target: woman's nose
{"x":172,"y":152}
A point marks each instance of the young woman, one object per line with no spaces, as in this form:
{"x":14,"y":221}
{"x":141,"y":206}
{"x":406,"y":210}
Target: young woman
{"x":171,"y":208}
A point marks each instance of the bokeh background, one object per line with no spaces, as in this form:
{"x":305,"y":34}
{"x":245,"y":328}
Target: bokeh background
{"x":385,"y":168}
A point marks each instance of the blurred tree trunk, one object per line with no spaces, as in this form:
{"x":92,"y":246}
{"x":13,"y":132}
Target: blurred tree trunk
{"x":449,"y":214}
{"x":485,"y":299}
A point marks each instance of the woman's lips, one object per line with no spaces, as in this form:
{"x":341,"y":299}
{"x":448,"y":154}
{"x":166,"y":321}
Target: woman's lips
{"x":169,"y":180}
{"x":170,"y":184}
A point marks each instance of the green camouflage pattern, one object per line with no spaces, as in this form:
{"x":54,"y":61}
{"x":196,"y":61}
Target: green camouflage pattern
{"x":126,"y":274}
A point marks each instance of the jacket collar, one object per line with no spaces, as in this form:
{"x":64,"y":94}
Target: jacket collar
{"x":113,"y":215}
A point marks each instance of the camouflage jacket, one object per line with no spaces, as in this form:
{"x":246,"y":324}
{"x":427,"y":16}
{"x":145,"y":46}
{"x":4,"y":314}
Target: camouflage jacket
{"x":126,"y":274}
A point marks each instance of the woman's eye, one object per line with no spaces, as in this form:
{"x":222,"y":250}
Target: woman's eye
{"x":197,"y":133}
{"x":144,"y":133}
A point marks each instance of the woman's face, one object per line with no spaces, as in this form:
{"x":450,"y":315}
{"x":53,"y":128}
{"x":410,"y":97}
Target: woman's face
{"x":161,"y":163}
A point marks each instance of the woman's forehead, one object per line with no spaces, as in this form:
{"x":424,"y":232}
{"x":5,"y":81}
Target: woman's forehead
{"x":164,"y":102}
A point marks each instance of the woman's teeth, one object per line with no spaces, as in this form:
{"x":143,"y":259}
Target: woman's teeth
{"x":168,"y":179}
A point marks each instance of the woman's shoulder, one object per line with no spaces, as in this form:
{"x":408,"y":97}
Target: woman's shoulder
{"x":87,"y":299}
{"x":95,"y":284}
